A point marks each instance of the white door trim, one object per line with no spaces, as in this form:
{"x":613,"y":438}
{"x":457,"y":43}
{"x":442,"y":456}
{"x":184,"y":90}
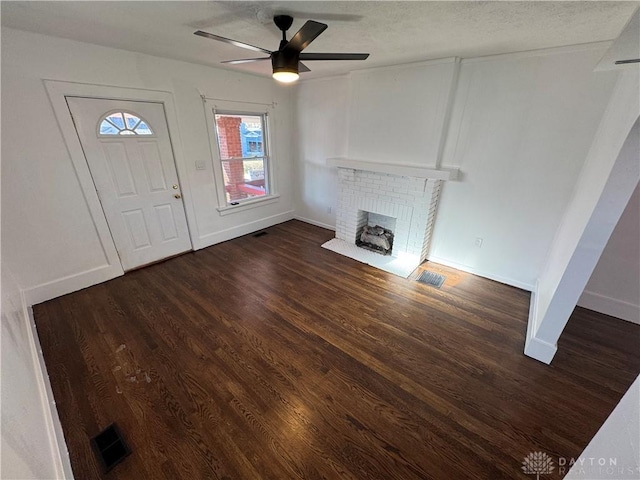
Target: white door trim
{"x":57,"y":91}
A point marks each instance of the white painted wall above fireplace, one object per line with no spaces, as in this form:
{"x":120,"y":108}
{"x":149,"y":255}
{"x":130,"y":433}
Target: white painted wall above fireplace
{"x":401,"y":112}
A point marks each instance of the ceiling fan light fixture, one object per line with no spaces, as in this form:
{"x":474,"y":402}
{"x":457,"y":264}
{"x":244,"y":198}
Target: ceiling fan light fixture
{"x":285,"y":67}
{"x":285,"y":76}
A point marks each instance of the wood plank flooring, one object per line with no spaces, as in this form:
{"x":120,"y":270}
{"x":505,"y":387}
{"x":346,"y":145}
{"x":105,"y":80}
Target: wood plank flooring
{"x":271,"y":357}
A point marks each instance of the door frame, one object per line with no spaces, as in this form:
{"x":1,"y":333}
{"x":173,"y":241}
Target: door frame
{"x":58,"y":91}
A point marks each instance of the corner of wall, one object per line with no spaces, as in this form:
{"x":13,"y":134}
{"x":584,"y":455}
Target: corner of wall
{"x":315,"y":222}
{"x":71,"y":283}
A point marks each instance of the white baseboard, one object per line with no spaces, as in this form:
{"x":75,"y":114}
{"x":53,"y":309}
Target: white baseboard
{"x":497,"y":278}
{"x":540,"y":350}
{"x":610,"y":306}
{"x":244,"y":229}
{"x":72,"y":283}
{"x":54,"y":428}
{"x":534,"y":347}
{"x":317,"y":224}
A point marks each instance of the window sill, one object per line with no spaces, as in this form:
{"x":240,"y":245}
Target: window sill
{"x":249,"y":204}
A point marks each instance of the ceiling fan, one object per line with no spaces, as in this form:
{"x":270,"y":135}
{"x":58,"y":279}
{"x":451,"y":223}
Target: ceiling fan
{"x":287,"y":60}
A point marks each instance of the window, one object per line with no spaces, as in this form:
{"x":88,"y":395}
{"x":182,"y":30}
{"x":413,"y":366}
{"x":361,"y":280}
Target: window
{"x":123,"y":123}
{"x":255,"y":147}
{"x":243,"y":154}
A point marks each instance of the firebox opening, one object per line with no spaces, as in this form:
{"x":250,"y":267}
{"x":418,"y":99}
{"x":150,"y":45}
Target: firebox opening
{"x":375,"y":232}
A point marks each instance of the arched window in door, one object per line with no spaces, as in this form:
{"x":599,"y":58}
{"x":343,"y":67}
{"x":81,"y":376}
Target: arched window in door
{"x":123,"y":123}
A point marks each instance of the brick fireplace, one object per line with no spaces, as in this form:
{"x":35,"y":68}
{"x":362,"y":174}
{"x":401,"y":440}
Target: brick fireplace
{"x":402,"y":199}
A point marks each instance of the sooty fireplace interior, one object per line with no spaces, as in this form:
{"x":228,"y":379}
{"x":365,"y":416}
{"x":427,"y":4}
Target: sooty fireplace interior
{"x":375,"y":232}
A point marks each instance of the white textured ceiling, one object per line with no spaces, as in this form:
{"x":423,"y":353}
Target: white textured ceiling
{"x":392,"y":32}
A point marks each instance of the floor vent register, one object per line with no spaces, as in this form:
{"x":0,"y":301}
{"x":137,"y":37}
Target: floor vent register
{"x":431,"y":278}
{"x":110,"y":447}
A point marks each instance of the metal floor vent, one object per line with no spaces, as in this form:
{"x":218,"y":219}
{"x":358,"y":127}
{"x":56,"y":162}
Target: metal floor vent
{"x":109,"y":447}
{"x":431,"y":278}
{"x":260,"y":234}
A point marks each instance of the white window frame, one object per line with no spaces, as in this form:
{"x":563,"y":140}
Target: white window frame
{"x":213,"y":107}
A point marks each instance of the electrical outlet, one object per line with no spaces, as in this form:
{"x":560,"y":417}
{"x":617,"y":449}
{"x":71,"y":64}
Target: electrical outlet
{"x":200,"y":165}
{"x":328,"y":209}
{"x":478,"y":242}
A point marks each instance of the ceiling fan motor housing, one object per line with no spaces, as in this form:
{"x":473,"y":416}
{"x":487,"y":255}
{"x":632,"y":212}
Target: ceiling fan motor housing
{"x":284,"y":62}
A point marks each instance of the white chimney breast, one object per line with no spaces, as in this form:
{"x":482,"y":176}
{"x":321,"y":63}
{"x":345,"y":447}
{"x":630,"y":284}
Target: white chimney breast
{"x":410,"y":200}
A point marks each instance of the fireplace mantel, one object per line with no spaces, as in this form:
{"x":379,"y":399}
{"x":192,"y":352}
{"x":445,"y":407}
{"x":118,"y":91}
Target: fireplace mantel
{"x":395,"y":169}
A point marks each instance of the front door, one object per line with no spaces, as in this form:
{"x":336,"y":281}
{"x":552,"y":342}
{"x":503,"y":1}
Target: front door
{"x":128,"y":149}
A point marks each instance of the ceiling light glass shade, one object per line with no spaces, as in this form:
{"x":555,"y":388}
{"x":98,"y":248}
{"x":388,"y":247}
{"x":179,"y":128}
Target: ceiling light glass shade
{"x":286,"y":76}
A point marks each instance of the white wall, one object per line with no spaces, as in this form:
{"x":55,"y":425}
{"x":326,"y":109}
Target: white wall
{"x":397,"y":114}
{"x":26,"y":446}
{"x":614,"y":452}
{"x":321,"y":116}
{"x":614,"y":286}
{"x":520,"y":130}
{"x":48,"y":233}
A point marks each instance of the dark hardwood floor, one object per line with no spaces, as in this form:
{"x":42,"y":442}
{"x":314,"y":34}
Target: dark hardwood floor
{"x":271,"y":357}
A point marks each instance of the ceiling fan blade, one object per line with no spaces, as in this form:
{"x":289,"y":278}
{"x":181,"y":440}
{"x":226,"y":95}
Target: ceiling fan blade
{"x":334,"y":56}
{"x":303,"y":37}
{"x":232,"y":42}
{"x":246,"y":60}
{"x":303,"y":68}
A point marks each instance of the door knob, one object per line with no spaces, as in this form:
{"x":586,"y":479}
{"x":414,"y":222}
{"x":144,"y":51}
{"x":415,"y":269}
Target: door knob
{"x":177,"y":195}
{"x":175,"y":186}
